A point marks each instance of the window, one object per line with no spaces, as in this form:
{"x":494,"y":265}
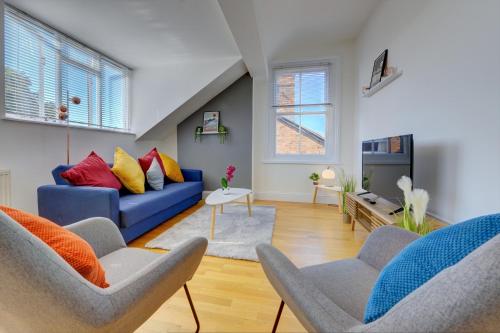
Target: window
{"x":44,"y":69}
{"x":302,"y":113}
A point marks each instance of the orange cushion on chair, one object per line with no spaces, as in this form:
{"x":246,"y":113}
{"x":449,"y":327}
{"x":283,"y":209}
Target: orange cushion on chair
{"x":72,"y":248}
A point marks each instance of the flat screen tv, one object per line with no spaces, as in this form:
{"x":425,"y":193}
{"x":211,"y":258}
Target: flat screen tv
{"x":384,"y":162}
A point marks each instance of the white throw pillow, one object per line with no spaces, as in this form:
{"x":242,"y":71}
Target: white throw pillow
{"x":155,"y":175}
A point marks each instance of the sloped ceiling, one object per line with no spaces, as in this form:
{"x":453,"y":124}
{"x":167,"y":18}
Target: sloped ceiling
{"x":269,"y":30}
{"x":140,"y":33}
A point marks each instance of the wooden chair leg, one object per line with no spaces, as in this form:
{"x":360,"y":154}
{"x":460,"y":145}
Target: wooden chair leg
{"x":192,"y":308}
{"x":282,"y":304}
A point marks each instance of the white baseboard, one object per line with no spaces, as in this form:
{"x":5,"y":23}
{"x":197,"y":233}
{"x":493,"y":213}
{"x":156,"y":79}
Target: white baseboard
{"x":296,"y":197}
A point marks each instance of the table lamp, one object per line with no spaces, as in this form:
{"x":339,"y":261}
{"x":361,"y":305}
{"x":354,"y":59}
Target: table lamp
{"x":328,"y":174}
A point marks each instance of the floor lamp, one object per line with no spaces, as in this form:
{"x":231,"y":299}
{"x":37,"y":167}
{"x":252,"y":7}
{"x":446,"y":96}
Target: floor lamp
{"x":63,"y":113}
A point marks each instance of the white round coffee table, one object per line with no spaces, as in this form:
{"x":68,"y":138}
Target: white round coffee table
{"x":218,"y":198}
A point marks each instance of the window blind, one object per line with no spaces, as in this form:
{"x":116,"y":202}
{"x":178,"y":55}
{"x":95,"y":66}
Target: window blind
{"x":306,"y":86}
{"x":301,"y":109}
{"x":44,"y":69}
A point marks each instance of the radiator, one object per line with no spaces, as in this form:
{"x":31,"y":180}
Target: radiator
{"x":5,"y":187}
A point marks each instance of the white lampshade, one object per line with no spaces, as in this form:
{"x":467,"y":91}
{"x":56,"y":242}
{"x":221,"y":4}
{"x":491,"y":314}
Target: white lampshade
{"x":328,"y":174}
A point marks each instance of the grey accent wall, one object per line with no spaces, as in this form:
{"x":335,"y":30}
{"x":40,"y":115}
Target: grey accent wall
{"x":235,"y":106}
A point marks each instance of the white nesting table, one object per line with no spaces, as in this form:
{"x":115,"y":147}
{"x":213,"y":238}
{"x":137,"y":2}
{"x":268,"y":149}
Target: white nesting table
{"x":337,"y":189}
{"x":218,"y":198}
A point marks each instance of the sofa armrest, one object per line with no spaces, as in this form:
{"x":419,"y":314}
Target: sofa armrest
{"x":192,"y":175}
{"x":313,"y":308}
{"x":151,"y":286}
{"x":383,"y":244}
{"x":101,"y":233}
{"x":65,"y":204}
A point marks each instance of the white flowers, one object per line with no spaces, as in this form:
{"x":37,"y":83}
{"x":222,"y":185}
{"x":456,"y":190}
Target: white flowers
{"x":404,"y":183}
{"x":417,"y":199}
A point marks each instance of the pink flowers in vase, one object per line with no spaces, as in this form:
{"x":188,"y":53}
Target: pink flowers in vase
{"x":226,"y":180}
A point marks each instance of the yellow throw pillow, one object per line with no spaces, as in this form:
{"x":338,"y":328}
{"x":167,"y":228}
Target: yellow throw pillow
{"x":172,"y":169}
{"x":128,"y":171}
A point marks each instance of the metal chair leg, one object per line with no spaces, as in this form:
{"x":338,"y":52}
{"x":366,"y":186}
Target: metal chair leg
{"x":192,"y":308}
{"x":278,"y":316}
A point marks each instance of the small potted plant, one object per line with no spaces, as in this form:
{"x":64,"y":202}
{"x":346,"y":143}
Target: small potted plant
{"x":224,"y":182}
{"x":315,"y":178}
{"x":348,"y":185}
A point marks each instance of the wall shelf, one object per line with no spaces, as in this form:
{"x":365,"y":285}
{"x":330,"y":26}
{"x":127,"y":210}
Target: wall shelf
{"x":385,"y":81}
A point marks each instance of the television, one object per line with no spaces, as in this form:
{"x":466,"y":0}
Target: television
{"x":384,"y":162}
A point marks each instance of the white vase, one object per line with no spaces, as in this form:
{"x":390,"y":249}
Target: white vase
{"x":225,"y":191}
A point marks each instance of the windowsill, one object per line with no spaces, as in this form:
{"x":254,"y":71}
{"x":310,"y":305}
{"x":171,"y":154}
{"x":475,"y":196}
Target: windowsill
{"x":303,"y":162}
{"x":57,"y":124}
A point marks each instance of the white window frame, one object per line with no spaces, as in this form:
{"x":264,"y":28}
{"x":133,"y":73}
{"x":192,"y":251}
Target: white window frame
{"x":332,"y":131}
{"x":63,"y":38}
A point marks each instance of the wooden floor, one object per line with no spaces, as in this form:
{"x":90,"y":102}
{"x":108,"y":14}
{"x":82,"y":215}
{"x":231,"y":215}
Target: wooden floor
{"x":234,"y":295}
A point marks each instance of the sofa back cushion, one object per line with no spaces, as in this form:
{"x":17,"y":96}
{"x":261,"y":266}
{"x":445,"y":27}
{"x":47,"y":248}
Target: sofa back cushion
{"x":422,"y":259}
{"x":128,"y":171}
{"x":72,"y":248}
{"x":92,"y":171}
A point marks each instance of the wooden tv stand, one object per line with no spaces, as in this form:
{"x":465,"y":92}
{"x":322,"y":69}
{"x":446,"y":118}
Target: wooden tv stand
{"x":374,"y":216}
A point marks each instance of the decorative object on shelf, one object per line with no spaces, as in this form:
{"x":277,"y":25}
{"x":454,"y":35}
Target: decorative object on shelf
{"x":63,"y":114}
{"x":224,"y":182}
{"x":197,"y":133}
{"x":378,"y":68}
{"x":211,"y":125}
{"x":328,"y":175}
{"x":211,"y":121}
{"x":223,"y":133}
{"x":348,"y":185}
{"x":315,"y":178}
{"x":413,"y":217}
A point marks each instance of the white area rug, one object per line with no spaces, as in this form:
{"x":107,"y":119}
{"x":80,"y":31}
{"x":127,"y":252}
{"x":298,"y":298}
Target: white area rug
{"x":236,"y":234}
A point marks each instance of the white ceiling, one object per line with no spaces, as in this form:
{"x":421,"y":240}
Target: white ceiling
{"x":141,"y":33}
{"x":289,"y":26}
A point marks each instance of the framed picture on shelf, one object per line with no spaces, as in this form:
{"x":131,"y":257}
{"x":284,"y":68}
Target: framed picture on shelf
{"x":378,"y":68}
{"x":211,"y":121}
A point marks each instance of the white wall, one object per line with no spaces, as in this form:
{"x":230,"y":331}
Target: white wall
{"x":448,"y":97}
{"x":289,"y":182}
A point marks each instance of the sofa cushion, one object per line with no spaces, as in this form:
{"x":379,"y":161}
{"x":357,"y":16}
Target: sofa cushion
{"x":172,"y":168}
{"x":147,"y":159}
{"x":155,"y":176}
{"x":128,"y":171}
{"x":92,"y":171}
{"x":135,"y":208}
{"x":422,"y":259}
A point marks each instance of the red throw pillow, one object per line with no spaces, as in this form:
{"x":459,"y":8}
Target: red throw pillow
{"x":147,"y":159}
{"x":71,"y":247}
{"x":92,"y":171}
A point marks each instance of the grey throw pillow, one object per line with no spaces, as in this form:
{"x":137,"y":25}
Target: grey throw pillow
{"x":155,"y":176}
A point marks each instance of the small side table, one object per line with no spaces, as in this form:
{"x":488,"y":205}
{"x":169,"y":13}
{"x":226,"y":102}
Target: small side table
{"x":337,"y":189}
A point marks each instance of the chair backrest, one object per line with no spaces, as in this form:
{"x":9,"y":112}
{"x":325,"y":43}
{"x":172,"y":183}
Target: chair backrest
{"x":39,"y":291}
{"x":462,"y":298}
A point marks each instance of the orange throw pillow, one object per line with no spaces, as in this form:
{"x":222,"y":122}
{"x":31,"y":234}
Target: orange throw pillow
{"x":72,"y":248}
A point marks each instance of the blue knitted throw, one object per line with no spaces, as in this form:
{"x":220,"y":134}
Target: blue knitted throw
{"x":422,"y":259}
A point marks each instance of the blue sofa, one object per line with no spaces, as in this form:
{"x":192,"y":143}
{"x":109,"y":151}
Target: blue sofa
{"x":134,"y":214}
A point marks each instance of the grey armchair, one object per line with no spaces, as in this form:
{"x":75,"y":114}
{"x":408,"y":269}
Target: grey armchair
{"x":40,"y":292}
{"x":331,"y":297}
